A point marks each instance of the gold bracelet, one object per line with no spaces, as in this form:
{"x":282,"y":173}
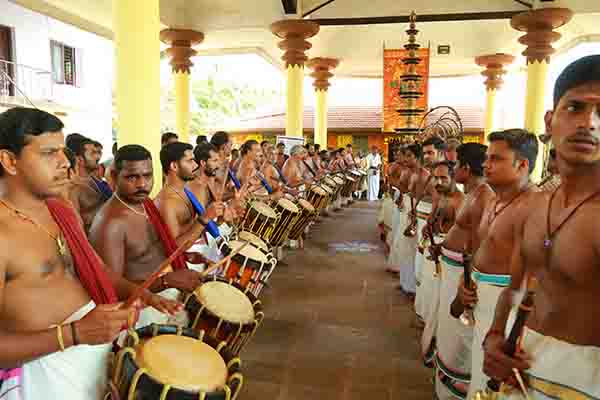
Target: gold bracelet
{"x":59,"y":336}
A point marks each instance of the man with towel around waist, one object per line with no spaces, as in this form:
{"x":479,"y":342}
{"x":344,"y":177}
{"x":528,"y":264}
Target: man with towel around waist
{"x":453,"y":338}
{"x":559,"y":243}
{"x":58,"y":315}
{"x":395,"y":170}
{"x":131,"y":236}
{"x":447,"y":199}
{"x":422,"y":188}
{"x":510,"y":159}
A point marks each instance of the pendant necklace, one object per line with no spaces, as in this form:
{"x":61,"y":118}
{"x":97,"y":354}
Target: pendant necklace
{"x":495,"y":212}
{"x":189,"y":208}
{"x":60,"y":244}
{"x":143,"y":214}
{"x":550,"y":234}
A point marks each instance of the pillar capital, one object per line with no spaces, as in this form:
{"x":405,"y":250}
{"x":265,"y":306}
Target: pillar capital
{"x":539,"y":25}
{"x":494,"y":68}
{"x":322,"y":71}
{"x":181,"y":50}
{"x":294,"y":33}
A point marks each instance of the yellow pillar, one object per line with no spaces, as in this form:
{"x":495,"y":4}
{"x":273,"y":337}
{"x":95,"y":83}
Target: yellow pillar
{"x":321,"y":118}
{"x":322,"y":73}
{"x":181,"y":52}
{"x":539,"y":25}
{"x":182,"y":105}
{"x":136,"y":27}
{"x":494,"y":70}
{"x":294,"y":33}
{"x":294,"y":101}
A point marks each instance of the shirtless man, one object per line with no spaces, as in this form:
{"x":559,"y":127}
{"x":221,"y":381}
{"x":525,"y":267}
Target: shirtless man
{"x":86,"y":195}
{"x":222,"y":143}
{"x":179,"y":167}
{"x":280,"y":157}
{"x":349,"y":156}
{"x":123,"y":235}
{"x":46,"y":304}
{"x":293,"y":170}
{"x":454,"y":339}
{"x":248,"y":166}
{"x":558,"y":244}
{"x":269,"y":171}
{"x":447,"y":199}
{"x":510,"y":159}
{"x":421,"y":190}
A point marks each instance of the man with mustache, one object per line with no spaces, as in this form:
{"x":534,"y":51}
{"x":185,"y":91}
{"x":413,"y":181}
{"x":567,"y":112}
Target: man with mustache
{"x":248,"y":167}
{"x":558,"y":244}
{"x":130,"y":235}
{"x":511,"y":157}
{"x":447,"y":199}
{"x":453,"y":338}
{"x":88,"y":193}
{"x":58,"y":303}
{"x":421,"y":189}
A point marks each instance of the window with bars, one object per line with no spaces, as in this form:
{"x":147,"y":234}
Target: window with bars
{"x":66,"y":64}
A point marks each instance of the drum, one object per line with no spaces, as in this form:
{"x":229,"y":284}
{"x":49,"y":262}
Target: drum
{"x":259,"y":219}
{"x":347,"y":189}
{"x":225,"y":311}
{"x":254,"y":240}
{"x":249,"y":268}
{"x":340,"y":184}
{"x":330,"y":182}
{"x":288,"y":212}
{"x":170,"y":362}
{"x":357,"y":177}
{"x":318,"y":197}
{"x":307,"y":214}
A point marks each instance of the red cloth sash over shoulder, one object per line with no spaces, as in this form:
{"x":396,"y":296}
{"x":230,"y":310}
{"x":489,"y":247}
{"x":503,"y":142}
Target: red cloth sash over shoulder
{"x":164,"y":234}
{"x":90,"y":268}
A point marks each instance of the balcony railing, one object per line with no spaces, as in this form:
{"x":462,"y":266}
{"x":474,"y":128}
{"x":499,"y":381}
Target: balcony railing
{"x":24,"y":85}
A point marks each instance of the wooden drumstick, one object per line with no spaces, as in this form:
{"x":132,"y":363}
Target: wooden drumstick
{"x":224,"y":260}
{"x":162,"y":268}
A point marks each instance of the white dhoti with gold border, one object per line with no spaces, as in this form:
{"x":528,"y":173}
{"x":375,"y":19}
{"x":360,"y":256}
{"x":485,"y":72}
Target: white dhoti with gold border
{"x":429,"y":295}
{"x":423,"y":211}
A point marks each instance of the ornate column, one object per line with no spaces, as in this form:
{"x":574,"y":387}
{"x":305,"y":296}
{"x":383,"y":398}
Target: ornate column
{"x":181,"y":52}
{"x":539,"y":26}
{"x":494,"y":69}
{"x":321,"y":72}
{"x":294,"y":33}
{"x":137,"y":26}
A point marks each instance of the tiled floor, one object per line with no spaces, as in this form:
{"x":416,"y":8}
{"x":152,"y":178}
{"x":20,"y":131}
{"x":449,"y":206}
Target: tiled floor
{"x":335,"y":326}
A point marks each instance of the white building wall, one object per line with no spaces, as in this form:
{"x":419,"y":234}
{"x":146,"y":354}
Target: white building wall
{"x":89,"y":107}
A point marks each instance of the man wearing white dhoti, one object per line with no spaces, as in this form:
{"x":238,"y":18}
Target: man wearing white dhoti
{"x":373,"y":167}
{"x":447,"y":199}
{"x":453,"y":338}
{"x":54,"y":341}
{"x":558,"y":247}
{"x":511,"y":157}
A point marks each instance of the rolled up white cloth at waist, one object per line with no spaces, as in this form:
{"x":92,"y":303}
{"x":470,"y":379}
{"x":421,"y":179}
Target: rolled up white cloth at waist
{"x":78,"y":373}
{"x":424,"y":209}
{"x":489,"y":288}
{"x":428,"y":294}
{"x":559,"y":370}
{"x":454,"y":339}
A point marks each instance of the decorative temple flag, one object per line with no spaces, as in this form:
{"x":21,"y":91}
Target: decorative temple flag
{"x":393,"y":68}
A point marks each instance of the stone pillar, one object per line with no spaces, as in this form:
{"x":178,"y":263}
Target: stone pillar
{"x":294,"y":33}
{"x":137,"y":26}
{"x":181,"y":52}
{"x":539,"y":25}
{"x":494,"y":69}
{"x":321,"y":67}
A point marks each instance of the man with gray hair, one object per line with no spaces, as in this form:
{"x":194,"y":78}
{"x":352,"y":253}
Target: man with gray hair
{"x":293,"y":169}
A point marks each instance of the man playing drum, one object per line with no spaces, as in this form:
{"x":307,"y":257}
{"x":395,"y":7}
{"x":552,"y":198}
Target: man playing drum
{"x":558,"y":244}
{"x":58,"y":315}
{"x":454,"y":339}
{"x":293,"y":170}
{"x":510,"y":159}
{"x":130,"y":234}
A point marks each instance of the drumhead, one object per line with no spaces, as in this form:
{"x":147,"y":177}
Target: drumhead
{"x":351,"y":179}
{"x":226,"y":302}
{"x":288,"y":205}
{"x":355,"y":172}
{"x":264,"y":209}
{"x":249,"y":251}
{"x":330,"y":181}
{"x":306,"y":205}
{"x":318,"y":190}
{"x":183,"y":362}
{"x":253,"y":239}
{"x":338,"y":180}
